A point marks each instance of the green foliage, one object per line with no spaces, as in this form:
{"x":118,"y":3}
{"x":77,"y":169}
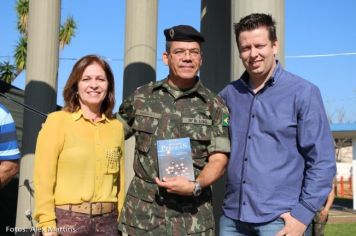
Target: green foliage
{"x":67,"y":32}
{"x":20,"y":54}
{"x":22,"y":8}
{"x":9,"y":72}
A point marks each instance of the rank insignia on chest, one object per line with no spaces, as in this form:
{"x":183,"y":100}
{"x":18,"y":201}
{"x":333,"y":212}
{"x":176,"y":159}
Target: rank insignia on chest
{"x":225,"y":120}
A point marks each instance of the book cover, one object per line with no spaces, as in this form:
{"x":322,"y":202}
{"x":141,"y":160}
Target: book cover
{"x":175,"y":158}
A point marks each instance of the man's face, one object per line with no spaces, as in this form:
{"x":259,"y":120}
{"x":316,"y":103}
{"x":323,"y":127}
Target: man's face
{"x":184,"y":60}
{"x":257,"y":52}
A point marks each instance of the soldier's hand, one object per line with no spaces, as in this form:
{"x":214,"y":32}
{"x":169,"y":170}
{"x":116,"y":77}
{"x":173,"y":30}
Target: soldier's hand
{"x":178,"y":185}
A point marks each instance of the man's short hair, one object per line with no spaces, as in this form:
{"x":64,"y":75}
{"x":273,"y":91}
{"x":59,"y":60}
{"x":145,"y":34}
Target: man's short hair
{"x":254,"y":21}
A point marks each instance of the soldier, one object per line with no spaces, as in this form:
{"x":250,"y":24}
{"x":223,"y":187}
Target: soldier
{"x":176,"y":107}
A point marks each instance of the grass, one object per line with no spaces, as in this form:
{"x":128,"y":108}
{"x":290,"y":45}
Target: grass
{"x":340,"y":229}
{"x":345,"y":229}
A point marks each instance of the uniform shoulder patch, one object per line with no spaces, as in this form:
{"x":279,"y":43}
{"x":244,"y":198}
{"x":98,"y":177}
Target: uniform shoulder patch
{"x":225,"y":120}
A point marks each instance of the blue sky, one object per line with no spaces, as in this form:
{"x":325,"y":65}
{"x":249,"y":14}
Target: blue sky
{"x":318,"y":33}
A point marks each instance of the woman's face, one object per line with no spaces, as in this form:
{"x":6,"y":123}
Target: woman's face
{"x":92,"y":87}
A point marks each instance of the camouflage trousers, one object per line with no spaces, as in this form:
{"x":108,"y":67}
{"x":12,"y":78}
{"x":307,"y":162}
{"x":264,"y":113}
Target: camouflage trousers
{"x":318,"y":226}
{"x":151,"y":211}
{"x":71,"y":223}
{"x":167,"y":221}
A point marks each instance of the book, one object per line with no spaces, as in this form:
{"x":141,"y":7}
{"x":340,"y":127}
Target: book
{"x":175,"y":158}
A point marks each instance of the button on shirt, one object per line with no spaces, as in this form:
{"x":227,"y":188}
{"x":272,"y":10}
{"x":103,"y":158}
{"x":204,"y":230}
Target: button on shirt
{"x":282,"y":153}
{"x":157,"y":111}
{"x":77,"y":161}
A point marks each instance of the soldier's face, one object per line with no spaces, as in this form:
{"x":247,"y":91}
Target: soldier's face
{"x":184,"y":60}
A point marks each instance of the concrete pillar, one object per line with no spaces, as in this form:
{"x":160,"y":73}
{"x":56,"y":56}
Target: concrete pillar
{"x":40,"y":93}
{"x":217,"y":28}
{"x":241,"y":8}
{"x":140,"y":58}
{"x":216,"y":70}
{"x":354,"y":172}
{"x":140,"y":44}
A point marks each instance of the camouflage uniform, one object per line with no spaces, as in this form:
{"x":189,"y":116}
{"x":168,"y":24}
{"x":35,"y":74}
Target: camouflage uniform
{"x":157,"y":111}
{"x":318,"y":226}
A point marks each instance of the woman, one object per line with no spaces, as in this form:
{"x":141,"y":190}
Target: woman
{"x":78,"y":176}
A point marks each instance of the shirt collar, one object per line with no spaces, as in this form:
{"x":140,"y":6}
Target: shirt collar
{"x":271,"y":81}
{"x":79,"y":114}
{"x":277,"y":71}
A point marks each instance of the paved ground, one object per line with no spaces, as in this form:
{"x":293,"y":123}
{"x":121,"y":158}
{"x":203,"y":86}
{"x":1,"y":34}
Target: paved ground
{"x":340,"y":214}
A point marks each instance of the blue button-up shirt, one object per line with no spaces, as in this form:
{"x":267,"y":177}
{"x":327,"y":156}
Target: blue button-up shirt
{"x":282,"y":157}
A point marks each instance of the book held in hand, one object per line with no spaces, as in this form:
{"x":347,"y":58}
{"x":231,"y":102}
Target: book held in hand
{"x":175,"y":158}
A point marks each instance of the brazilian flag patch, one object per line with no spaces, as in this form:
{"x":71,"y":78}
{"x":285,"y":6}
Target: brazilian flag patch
{"x":225,"y":120}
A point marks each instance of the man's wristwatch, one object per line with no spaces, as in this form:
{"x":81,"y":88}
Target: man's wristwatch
{"x":197,"y":189}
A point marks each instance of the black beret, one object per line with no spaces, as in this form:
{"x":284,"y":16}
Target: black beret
{"x":183,"y":33}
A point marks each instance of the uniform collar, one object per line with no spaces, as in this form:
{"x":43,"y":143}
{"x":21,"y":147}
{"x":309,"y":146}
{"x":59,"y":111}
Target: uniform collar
{"x":197,"y":88}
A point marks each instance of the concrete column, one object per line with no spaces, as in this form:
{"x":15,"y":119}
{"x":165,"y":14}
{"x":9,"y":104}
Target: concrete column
{"x":140,"y":44}
{"x":217,"y":28}
{"x":354,"y":171}
{"x":216,"y":70}
{"x":241,"y":8}
{"x":40,"y":93}
{"x":140,"y":58}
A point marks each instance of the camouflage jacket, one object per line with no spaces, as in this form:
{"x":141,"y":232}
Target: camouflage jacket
{"x":157,"y":111}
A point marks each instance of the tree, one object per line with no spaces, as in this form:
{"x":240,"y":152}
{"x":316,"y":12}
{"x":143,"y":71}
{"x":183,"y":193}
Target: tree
{"x":9,"y":72}
{"x":6,"y":71}
{"x":338,"y":115}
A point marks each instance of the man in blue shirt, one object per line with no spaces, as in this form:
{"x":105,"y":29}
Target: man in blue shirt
{"x":282,"y":160}
{"x":9,"y":152}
